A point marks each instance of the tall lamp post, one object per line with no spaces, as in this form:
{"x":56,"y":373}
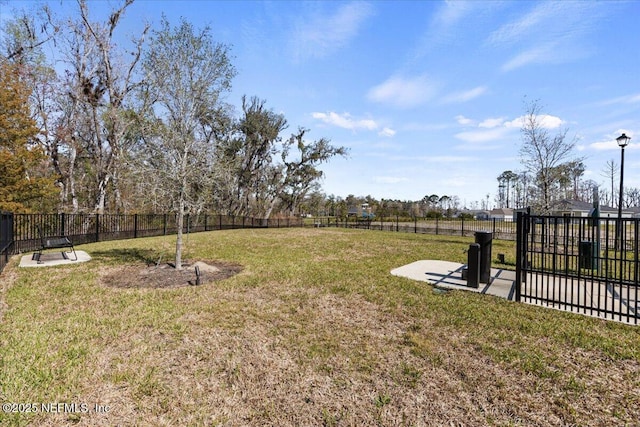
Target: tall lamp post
{"x":623,"y":141}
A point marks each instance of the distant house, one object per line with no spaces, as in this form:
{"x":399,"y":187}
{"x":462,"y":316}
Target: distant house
{"x":577,"y":208}
{"x":474,"y":213}
{"x":502,"y":214}
{"x":363,"y":211}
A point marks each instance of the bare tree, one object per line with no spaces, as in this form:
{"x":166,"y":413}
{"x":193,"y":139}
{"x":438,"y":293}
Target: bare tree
{"x":632,"y":197}
{"x":106,"y":80}
{"x":610,"y":172}
{"x":25,"y":36}
{"x":185,"y":75}
{"x":83,"y":112}
{"x":542,"y":153}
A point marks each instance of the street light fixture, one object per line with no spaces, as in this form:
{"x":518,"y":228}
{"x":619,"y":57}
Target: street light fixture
{"x":623,"y":141}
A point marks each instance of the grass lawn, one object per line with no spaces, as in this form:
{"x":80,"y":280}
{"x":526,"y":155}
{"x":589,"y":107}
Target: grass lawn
{"x":313,"y":331}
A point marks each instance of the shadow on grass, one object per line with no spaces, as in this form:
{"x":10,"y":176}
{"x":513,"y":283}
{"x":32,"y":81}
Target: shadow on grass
{"x":129,"y":256}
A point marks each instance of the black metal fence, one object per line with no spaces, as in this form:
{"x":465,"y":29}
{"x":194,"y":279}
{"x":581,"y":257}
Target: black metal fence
{"x":580,"y":264}
{"x":19,"y":232}
{"x":501,"y":228}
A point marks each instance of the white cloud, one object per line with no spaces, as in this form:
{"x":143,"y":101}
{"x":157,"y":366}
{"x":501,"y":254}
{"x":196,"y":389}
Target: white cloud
{"x":345,"y":121}
{"x":403,"y":92}
{"x":491,"y":123}
{"x":611,"y":144}
{"x":446,"y":22}
{"x":387,"y":132}
{"x":479,"y":136}
{"x":627,"y":99}
{"x":510,"y":33}
{"x":463,"y":120}
{"x":550,"y":122}
{"x":451,"y":13}
{"x":537,"y":55}
{"x":606,"y":145}
{"x":460,"y":97}
{"x":320,"y":36}
{"x":551,"y":32}
{"x":496,"y":129}
{"x":545,"y":120}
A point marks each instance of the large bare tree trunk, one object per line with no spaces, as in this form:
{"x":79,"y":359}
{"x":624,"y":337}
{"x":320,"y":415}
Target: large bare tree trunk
{"x":179,"y":225}
{"x":72,"y":180}
{"x":102,"y":194}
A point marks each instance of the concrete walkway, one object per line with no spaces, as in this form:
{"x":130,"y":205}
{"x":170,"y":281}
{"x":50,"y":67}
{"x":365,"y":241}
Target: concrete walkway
{"x":608,"y":301}
{"x":447,"y":274}
{"x":49,"y":259}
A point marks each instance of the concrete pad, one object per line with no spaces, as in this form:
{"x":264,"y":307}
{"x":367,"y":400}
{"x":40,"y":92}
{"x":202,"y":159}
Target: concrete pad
{"x":447,"y":274}
{"x":49,"y":259}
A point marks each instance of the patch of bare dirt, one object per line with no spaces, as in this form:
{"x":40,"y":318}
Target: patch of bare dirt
{"x":167,"y":276}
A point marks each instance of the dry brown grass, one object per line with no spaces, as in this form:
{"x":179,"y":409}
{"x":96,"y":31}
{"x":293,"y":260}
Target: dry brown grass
{"x":314,"y":331}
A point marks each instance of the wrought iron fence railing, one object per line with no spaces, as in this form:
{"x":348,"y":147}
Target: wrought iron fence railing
{"x":587,"y":265}
{"x":19,"y":232}
{"x":504,"y":229}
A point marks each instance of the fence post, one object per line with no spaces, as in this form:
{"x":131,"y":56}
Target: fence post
{"x":62,"y":230}
{"x":135,"y":226}
{"x":6,"y":230}
{"x":97,"y":227}
{"x":415,"y":224}
{"x":462,"y":227}
{"x":519,"y":249}
{"x":494,"y":226}
{"x":437,"y":226}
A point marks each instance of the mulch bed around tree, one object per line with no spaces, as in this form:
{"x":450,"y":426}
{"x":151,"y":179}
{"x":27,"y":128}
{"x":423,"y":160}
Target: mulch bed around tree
{"x":166,"y":276}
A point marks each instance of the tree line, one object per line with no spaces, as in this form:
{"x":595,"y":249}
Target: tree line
{"x":107,"y":126}
{"x":552,"y":172}
{"x":319,"y":204}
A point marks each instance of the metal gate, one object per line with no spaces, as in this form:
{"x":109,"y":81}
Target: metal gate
{"x":584,"y":265}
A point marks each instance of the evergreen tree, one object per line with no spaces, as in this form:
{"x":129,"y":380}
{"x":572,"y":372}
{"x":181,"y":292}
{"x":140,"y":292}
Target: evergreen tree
{"x":23,"y":186}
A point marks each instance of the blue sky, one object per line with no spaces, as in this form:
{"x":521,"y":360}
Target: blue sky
{"x":428,"y":95}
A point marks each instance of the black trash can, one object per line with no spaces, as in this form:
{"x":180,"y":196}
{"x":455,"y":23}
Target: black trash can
{"x":588,"y":254}
{"x":484,"y":238}
{"x":473,"y":266}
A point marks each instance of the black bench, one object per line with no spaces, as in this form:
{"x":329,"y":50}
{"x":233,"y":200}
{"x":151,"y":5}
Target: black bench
{"x":56,"y":242}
